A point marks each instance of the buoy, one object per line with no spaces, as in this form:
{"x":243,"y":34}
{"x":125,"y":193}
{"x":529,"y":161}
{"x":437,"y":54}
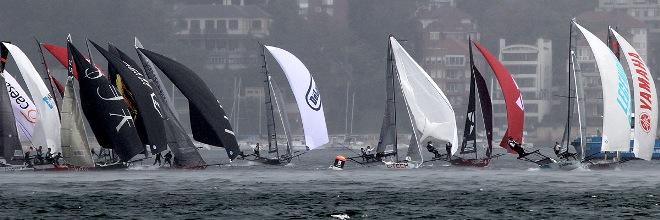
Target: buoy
{"x":339,"y":161}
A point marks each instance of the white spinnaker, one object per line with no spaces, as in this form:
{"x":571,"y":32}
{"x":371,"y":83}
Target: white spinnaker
{"x":307,"y":96}
{"x":47,"y":130}
{"x":25,"y":113}
{"x":616,"y":95}
{"x":646,"y":107}
{"x":432,"y":113}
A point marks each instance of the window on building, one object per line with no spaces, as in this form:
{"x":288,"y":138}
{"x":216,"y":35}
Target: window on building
{"x":328,"y":2}
{"x":330,"y":11}
{"x":454,"y":87}
{"x":526,"y":82}
{"x":209,"y":27}
{"x":453,"y":74}
{"x":519,"y":56}
{"x":318,"y":9}
{"x":522,"y":69}
{"x":210,"y":44}
{"x":256,"y":25}
{"x":195,"y":27}
{"x":303,"y":3}
{"x":233,"y":24}
{"x":455,"y":60}
{"x":222,"y":26}
{"x":435,"y":35}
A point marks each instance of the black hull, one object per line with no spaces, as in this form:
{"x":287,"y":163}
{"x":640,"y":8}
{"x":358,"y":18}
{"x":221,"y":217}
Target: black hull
{"x":470,"y":162}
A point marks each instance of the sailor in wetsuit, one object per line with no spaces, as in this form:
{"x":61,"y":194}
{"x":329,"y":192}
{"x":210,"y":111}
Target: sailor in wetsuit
{"x":431,"y":148}
{"x":157,"y":160}
{"x":27,"y":158}
{"x":557,"y":149}
{"x":448,"y":149}
{"x":368,"y":154}
{"x":56,"y":159}
{"x":515,"y":146}
{"x":168,"y":158}
{"x":257,"y":154}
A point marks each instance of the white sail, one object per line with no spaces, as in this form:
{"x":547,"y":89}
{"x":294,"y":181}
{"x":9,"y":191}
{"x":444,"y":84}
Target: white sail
{"x":75,"y":146}
{"x":307,"y":96}
{"x":432,"y":113}
{"x":47,"y":130}
{"x":616,"y":95}
{"x":645,"y":97}
{"x":25,"y":113}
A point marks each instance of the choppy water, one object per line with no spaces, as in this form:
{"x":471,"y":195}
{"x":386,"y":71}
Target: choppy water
{"x":307,"y":189}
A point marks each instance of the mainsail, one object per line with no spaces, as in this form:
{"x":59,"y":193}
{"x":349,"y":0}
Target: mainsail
{"x":388,"y":128}
{"x":106,"y":112}
{"x":616,"y":95}
{"x":486,"y":108}
{"x":281,"y":111}
{"x":307,"y":96}
{"x":469,"y":130}
{"x":177,"y":139}
{"x":477,"y":82}
{"x":431,"y":113}
{"x":25,"y":113}
{"x":515,"y":109}
{"x":75,"y":146}
{"x":646,"y":106}
{"x":47,"y":130}
{"x":208,"y":120}
{"x":149,"y":120}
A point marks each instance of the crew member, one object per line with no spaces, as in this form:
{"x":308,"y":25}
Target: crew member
{"x":515,"y":146}
{"x":448,"y":150}
{"x":431,"y":148}
{"x":40,"y":155}
{"x":157,"y":160}
{"x":56,"y":159}
{"x":369,"y":153}
{"x":49,"y":156}
{"x":557,"y":149}
{"x":256,"y":151}
{"x":364,"y":154}
{"x":168,"y":158}
{"x":27,"y":158}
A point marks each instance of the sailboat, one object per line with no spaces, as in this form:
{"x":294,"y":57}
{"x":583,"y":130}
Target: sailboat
{"x":430,"y":113}
{"x":178,"y":140}
{"x":274,"y":102}
{"x":616,"y":100}
{"x":209,"y":123}
{"x":46,"y":133}
{"x":515,"y":112}
{"x":477,"y":82}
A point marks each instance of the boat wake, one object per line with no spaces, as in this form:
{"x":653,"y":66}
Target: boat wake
{"x":143,"y":167}
{"x":340,"y":216}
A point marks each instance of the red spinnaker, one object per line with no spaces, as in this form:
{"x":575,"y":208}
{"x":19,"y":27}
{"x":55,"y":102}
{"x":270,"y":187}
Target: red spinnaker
{"x":60,"y":54}
{"x":515,"y":110}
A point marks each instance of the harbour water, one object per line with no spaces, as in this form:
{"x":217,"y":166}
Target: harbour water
{"x":307,"y":189}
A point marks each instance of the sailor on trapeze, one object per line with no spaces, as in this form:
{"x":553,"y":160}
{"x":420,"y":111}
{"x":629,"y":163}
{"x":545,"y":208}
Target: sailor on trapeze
{"x":515,"y":146}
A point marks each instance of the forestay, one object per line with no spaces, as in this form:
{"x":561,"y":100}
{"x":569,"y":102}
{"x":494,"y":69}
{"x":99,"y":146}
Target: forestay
{"x":25,"y":113}
{"x":47,"y":129}
{"x":616,"y":95}
{"x":307,"y":96}
{"x":646,"y":106}
{"x":432,"y":114}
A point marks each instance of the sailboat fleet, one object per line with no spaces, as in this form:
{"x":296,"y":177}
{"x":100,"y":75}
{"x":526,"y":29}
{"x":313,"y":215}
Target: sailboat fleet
{"x":130,"y":112}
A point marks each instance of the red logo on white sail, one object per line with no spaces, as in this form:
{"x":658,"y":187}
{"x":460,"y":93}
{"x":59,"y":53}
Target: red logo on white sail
{"x":645,"y":122}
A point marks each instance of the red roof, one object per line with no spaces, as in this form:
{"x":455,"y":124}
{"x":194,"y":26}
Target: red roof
{"x":601,"y":19}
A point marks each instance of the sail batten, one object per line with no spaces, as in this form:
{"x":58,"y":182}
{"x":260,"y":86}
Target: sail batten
{"x":616,"y":95}
{"x":645,"y":99}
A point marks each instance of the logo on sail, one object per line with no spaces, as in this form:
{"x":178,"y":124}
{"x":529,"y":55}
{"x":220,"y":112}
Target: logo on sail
{"x":313,"y":97}
{"x":645,"y":122}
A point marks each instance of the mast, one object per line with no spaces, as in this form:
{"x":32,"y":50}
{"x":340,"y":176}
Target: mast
{"x":48,"y":77}
{"x":270,"y":116}
{"x":569,"y":111}
{"x":614,"y":47}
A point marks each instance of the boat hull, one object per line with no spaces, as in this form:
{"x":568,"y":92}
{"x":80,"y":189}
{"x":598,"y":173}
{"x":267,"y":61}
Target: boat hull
{"x":594,"y":144}
{"x":470,"y":162}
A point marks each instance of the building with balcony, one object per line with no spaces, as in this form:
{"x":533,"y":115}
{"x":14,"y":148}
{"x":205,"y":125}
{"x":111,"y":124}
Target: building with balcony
{"x":228,"y":32}
{"x":531,"y":67}
{"x":333,"y":11}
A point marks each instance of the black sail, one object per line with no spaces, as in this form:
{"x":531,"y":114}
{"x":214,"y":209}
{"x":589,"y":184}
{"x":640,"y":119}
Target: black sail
{"x":208,"y":120}
{"x":182,"y":147}
{"x":106,"y":112}
{"x":149,"y":120}
{"x":486,"y":108}
{"x":469,"y":131}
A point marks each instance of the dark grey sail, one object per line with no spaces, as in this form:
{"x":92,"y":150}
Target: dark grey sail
{"x":177,"y":139}
{"x":208,"y":120}
{"x":149,"y":120}
{"x":388,"y":128}
{"x":106,"y":112}
{"x":270,"y":113}
{"x":8,"y":131}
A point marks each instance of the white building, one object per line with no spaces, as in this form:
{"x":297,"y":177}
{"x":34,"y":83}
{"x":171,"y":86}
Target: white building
{"x":531,"y":67}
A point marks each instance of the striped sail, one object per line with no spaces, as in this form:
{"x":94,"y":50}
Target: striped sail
{"x":616,"y":95}
{"x":645,"y":97}
{"x":47,"y":130}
